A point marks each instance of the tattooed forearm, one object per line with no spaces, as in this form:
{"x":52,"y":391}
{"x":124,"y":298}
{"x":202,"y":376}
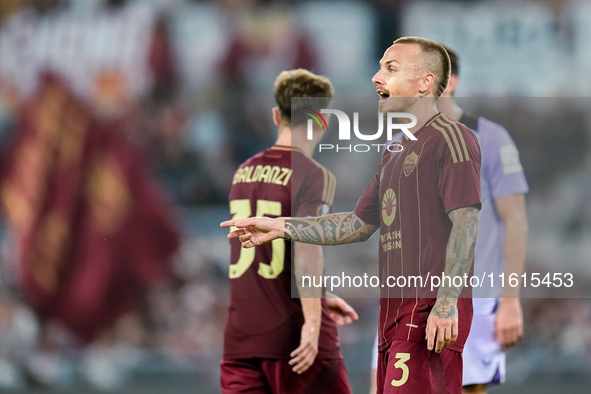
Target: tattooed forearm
{"x":338,"y":228}
{"x":459,"y":257}
{"x":446,"y":308}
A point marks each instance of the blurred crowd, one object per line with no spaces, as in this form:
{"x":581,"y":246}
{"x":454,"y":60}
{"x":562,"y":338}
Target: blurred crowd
{"x":186,"y":87}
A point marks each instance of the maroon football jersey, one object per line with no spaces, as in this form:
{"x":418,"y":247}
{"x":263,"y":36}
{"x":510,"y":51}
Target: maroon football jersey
{"x":410,"y":199}
{"x":263,"y":319}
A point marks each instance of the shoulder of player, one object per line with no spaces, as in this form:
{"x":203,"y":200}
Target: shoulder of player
{"x":455,"y":137}
{"x":317,"y":169}
{"x":489,"y":130}
{"x":317,"y":177}
{"x":447,"y":128}
{"x":253,"y":159}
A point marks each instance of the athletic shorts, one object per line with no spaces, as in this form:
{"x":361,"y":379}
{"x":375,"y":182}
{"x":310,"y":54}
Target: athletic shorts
{"x":410,"y":368}
{"x":266,"y":376}
{"x":484,"y":361}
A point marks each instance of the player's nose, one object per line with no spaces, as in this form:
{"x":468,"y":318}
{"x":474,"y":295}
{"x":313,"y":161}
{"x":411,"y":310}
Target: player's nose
{"x":377,"y":78}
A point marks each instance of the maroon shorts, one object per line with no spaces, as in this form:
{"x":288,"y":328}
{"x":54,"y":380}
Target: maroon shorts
{"x":409,"y":367}
{"x":258,"y":376}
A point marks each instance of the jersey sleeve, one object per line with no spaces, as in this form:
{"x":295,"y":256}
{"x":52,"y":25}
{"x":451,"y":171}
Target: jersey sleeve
{"x":501,"y":166}
{"x":459,"y":180}
{"x":367,"y":208}
{"x":316,"y":193}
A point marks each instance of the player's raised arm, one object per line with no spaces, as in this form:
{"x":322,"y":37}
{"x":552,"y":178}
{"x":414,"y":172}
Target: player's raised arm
{"x":442,"y":324}
{"x":334,"y":229}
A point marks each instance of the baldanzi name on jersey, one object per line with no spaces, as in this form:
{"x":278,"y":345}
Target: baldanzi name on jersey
{"x":267,"y":174}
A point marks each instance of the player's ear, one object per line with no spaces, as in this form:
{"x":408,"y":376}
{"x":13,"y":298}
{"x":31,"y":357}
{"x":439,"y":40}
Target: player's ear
{"x":276,"y":116}
{"x":426,"y":83}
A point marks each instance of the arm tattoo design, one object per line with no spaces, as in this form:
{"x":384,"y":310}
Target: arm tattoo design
{"x":459,"y":258}
{"x":445,"y":308}
{"x":338,"y":228}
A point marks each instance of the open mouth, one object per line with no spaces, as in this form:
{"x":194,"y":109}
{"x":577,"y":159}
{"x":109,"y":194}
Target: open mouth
{"x":383,"y":95}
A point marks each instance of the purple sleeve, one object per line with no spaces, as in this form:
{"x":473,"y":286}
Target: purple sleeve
{"x":501,"y":166}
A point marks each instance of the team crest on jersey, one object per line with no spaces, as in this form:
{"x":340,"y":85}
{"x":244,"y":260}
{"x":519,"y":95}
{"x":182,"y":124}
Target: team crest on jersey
{"x":410,"y":163}
{"x":388,"y":207}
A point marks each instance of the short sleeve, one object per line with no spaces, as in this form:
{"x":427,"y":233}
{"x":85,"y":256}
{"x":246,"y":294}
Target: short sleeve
{"x":316,"y":194}
{"x":501,"y":166}
{"x":459,"y":179}
{"x":367,"y":208}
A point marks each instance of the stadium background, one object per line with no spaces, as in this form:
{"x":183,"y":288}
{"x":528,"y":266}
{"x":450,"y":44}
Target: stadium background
{"x":197,"y":99}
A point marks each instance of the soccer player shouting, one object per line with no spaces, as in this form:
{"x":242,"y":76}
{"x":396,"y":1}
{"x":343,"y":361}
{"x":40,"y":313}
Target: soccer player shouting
{"x":273,"y":342}
{"x":427,"y":199}
{"x":498,"y":322}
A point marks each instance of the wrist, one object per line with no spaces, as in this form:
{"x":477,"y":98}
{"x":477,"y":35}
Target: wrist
{"x":448,"y":293}
{"x":510,"y":293}
{"x":447,"y":299}
{"x":313,"y":322}
{"x":282,"y":229}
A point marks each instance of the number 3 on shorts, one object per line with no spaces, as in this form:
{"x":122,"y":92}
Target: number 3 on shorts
{"x":400,"y":364}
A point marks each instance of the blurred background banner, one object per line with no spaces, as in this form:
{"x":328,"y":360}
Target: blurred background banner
{"x":122,"y":123}
{"x":91,"y":227}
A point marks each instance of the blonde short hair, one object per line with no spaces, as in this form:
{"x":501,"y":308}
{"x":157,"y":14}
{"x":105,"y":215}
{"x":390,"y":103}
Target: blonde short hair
{"x":436,"y":60}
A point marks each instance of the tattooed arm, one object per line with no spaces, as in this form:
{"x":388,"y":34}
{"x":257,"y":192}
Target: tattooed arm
{"x":442,"y":323}
{"x":335,"y":229}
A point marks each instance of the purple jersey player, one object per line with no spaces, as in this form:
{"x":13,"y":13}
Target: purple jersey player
{"x":500,"y":247}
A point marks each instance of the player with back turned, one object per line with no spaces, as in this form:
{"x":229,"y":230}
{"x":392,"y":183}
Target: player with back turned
{"x":273,"y":342}
{"x":425,"y":201}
